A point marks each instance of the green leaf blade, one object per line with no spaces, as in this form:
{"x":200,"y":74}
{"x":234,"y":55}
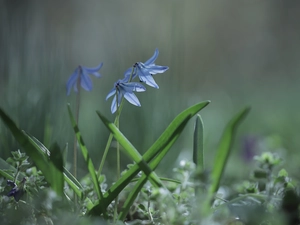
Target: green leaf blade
{"x":42,"y":161}
{"x":86,"y":155}
{"x":159,"y":149}
{"x":223,"y":151}
{"x":198,"y":147}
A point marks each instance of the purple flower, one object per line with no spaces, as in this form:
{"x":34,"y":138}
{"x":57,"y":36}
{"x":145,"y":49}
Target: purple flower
{"x":16,"y":192}
{"x":146,"y":70}
{"x":121,"y":88}
{"x":249,"y":148}
{"x":81,"y":75}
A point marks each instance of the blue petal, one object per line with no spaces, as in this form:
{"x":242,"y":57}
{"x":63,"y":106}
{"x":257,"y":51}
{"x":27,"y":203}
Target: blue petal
{"x":146,"y":77}
{"x":153,"y":58}
{"x":120,"y":95}
{"x":128,"y":72}
{"x":111,"y":93}
{"x":113,"y":107}
{"x":157,"y":69}
{"x":85,"y":81}
{"x":149,"y":81}
{"x":72,"y":81}
{"x":75,"y":88}
{"x":131,"y":97}
{"x":93,"y":70}
{"x":134,"y":86}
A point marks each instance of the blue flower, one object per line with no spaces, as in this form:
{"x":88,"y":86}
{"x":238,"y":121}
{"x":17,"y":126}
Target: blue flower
{"x":121,"y":88}
{"x":146,"y":70}
{"x":81,"y":74}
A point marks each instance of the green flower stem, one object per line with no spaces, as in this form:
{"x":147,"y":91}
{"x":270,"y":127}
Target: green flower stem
{"x":75,"y":149}
{"x":116,"y":122}
{"x":75,"y":140}
{"x":119,"y":110}
{"x":118,"y":159}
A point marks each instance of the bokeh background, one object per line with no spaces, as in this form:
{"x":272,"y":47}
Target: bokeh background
{"x":235,"y":53}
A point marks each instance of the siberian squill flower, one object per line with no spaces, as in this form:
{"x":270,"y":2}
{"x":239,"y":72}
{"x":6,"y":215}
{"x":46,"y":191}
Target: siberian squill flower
{"x":146,"y":70}
{"x":81,"y":75}
{"x":122,"y":88}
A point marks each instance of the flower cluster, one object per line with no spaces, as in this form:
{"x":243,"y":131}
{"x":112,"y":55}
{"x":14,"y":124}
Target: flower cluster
{"x":123,"y":87}
{"x":144,"y":71}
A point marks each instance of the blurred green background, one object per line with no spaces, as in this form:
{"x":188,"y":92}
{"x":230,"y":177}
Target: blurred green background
{"x":234,"y":53}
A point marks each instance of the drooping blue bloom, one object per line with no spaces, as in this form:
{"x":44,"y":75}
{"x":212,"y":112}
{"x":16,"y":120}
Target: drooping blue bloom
{"x":146,"y":70}
{"x":81,"y":74}
{"x":120,"y":89}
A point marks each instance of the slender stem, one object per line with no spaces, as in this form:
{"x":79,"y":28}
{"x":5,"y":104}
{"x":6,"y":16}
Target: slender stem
{"x":119,"y":110}
{"x":111,"y":135}
{"x":117,"y":123}
{"x":75,"y":140}
{"x":17,"y":173}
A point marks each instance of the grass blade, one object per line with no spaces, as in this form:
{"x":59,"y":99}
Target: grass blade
{"x":86,"y":155}
{"x":198,"y":148}
{"x":68,"y":177}
{"x":223,"y":152}
{"x":48,"y":168}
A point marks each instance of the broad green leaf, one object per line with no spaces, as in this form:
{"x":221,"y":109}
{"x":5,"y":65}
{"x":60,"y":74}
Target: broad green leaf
{"x":86,"y":155}
{"x":142,"y":181}
{"x":198,"y":149}
{"x":5,"y":165}
{"x":47,"y":167}
{"x":68,"y":177}
{"x":161,"y":146}
{"x":223,"y":152}
{"x":131,"y":151}
{"x":54,"y":158}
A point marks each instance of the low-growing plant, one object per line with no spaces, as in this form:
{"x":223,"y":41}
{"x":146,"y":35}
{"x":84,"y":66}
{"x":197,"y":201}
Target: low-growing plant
{"x":36,"y":185}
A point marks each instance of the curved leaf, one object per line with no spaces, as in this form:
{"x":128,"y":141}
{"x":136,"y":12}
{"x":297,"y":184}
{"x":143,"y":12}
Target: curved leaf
{"x":223,"y":152}
{"x":49,"y":169}
{"x":159,"y":148}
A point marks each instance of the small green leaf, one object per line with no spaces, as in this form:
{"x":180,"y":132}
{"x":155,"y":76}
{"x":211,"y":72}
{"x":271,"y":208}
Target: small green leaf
{"x":260,"y":174}
{"x":198,"y":148}
{"x":283,"y":173}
